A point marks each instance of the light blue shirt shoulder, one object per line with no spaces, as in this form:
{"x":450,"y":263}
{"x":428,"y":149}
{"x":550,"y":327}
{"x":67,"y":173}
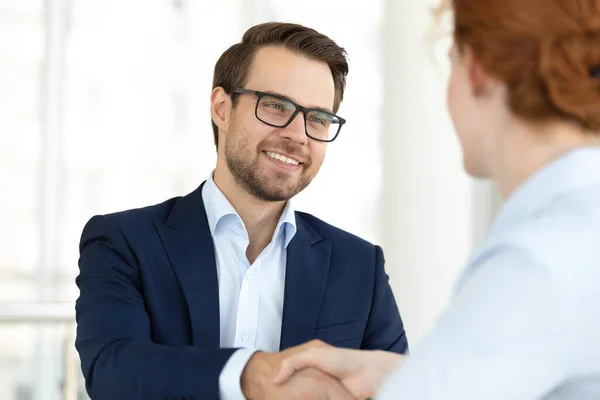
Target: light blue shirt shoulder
{"x":525,"y":322}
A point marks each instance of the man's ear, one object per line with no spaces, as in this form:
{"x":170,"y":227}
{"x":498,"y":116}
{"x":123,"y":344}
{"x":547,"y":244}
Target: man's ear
{"x":220,"y":108}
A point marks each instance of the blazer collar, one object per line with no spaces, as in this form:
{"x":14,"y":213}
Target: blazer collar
{"x":308,"y":259}
{"x":186,"y":237}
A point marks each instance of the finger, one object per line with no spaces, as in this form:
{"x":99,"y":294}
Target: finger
{"x":294,"y":363}
{"x":316,"y":343}
{"x":313,"y":344}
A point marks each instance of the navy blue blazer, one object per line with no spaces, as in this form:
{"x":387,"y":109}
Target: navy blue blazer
{"x":148,"y":309}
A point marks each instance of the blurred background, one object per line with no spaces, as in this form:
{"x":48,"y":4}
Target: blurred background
{"x":104,"y":106}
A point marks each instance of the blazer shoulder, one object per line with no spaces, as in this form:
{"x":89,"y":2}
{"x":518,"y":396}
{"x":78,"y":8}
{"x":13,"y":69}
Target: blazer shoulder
{"x":335,"y":234}
{"x":139,"y":218}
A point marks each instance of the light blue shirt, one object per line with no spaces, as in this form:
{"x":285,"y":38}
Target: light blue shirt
{"x":525,"y":320}
{"x":250,"y":295}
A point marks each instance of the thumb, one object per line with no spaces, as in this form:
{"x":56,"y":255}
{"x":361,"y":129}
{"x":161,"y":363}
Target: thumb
{"x":294,"y":363}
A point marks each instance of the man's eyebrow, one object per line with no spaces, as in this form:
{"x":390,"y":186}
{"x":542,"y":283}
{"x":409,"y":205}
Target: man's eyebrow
{"x":327,"y":110}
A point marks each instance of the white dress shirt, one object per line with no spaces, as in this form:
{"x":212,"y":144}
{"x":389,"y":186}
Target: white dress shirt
{"x":250,"y":295}
{"x":525,"y":321}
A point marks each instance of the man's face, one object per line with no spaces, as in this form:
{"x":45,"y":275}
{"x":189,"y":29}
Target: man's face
{"x":275,"y":164}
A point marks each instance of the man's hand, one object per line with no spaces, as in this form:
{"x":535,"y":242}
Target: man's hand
{"x":361,"y":372}
{"x":258,"y":378}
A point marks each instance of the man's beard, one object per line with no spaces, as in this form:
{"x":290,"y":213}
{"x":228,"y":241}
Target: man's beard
{"x":246,"y":171}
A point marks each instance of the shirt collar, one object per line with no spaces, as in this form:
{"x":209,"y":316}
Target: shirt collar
{"x":578,"y":169}
{"x":218,"y":207}
{"x":216,"y":204}
{"x":287,"y":221}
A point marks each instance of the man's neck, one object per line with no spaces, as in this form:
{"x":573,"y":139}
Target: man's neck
{"x":260,"y":217}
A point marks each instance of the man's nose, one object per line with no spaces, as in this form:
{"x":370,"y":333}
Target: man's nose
{"x":296,"y":130}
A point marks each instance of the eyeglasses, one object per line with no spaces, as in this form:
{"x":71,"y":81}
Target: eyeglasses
{"x":279,"y":112}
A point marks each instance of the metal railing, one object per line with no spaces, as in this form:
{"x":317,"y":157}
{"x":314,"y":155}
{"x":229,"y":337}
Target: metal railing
{"x":50,"y":313}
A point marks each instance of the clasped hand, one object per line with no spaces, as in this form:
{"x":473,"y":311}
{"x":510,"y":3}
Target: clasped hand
{"x":316,"y":370}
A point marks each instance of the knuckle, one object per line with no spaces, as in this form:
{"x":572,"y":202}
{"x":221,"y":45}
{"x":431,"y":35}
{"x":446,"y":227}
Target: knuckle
{"x":318,"y":343}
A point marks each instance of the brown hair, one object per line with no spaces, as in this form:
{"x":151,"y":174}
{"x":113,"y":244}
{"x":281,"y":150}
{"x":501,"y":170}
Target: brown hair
{"x":231,"y":70}
{"x":544,"y":50}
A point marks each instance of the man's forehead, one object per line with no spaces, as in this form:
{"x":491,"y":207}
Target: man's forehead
{"x":294,"y":76}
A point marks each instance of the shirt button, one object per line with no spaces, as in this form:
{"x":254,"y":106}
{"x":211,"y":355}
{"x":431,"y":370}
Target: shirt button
{"x":244,"y":337}
{"x":239,"y":225}
{"x":249,"y":276}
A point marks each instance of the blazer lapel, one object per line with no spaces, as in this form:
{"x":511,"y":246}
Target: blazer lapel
{"x":189,"y":245}
{"x":308,"y":257}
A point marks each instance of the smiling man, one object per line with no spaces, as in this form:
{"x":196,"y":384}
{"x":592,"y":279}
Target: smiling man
{"x":197,"y":296}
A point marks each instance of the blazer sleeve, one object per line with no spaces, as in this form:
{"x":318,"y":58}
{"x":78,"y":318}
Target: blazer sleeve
{"x":384,"y":330}
{"x":118,"y":358}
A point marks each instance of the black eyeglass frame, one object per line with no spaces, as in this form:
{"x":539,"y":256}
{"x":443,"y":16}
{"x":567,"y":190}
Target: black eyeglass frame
{"x":299,"y":108}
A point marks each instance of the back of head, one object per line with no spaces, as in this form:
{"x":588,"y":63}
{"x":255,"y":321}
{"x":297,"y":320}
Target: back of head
{"x":231,"y":70}
{"x":546,"y":51}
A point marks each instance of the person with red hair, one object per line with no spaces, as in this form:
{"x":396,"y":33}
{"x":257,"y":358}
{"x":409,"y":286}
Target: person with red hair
{"x":524,"y":97}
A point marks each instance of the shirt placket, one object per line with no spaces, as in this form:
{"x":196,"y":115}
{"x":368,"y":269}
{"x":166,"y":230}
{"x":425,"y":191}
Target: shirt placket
{"x":248,"y":307}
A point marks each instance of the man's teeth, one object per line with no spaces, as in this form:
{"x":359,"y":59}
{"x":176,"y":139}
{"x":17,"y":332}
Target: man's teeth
{"x":281,"y":158}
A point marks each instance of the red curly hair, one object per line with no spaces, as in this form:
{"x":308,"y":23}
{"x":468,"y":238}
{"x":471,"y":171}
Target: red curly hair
{"x":546,"y":51}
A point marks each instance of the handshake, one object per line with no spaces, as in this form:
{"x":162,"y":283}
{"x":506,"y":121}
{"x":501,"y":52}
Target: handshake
{"x":316,"y":370}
